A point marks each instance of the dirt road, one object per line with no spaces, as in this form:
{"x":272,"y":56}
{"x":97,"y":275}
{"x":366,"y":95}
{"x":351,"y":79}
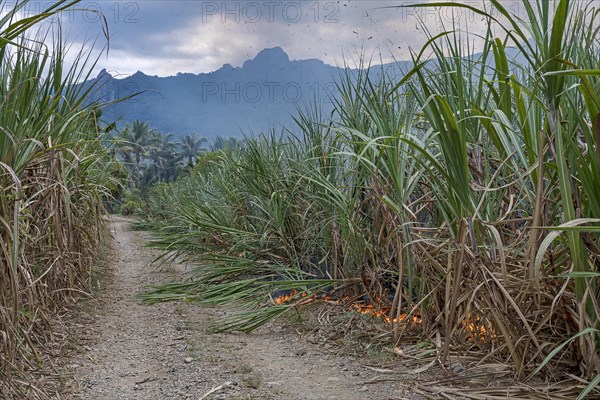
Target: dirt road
{"x":134,"y":351}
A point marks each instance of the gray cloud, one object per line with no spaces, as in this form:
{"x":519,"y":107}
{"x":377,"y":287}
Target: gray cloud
{"x":165,"y":37}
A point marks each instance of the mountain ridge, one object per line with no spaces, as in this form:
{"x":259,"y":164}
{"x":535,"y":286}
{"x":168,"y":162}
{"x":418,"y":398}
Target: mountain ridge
{"x":230,"y":101}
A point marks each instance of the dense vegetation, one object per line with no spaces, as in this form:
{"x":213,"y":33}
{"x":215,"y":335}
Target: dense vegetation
{"x":465,"y":196}
{"x":149,"y":156}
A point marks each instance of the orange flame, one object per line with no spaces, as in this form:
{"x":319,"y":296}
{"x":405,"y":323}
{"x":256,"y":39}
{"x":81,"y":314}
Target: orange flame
{"x":383,"y":313}
{"x":286,"y":298}
{"x":479,"y":328}
{"x":371,"y":309}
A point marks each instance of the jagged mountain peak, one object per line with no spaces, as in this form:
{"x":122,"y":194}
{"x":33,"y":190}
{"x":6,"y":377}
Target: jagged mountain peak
{"x":268,"y":57}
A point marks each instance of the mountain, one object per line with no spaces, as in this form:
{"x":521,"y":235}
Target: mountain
{"x":260,"y":94}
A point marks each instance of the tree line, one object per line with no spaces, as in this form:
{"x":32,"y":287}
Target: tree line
{"x":149,"y":157}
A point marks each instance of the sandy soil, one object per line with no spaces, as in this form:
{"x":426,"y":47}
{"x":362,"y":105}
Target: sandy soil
{"x":134,"y":351}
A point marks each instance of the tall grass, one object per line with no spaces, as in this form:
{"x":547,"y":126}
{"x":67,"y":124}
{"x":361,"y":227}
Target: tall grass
{"x":466,"y":194}
{"x":54,"y":175}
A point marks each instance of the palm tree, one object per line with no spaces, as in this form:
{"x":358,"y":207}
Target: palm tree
{"x":134,"y":143}
{"x":190,"y":146}
{"x":164,"y":156}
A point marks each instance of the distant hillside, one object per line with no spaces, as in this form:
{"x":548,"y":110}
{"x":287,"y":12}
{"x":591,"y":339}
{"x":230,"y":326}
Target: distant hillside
{"x":260,"y":94}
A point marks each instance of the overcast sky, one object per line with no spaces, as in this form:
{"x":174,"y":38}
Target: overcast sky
{"x":164,"y":37}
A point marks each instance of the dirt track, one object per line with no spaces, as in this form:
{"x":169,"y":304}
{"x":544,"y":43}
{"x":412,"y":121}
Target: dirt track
{"x":134,"y":351}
